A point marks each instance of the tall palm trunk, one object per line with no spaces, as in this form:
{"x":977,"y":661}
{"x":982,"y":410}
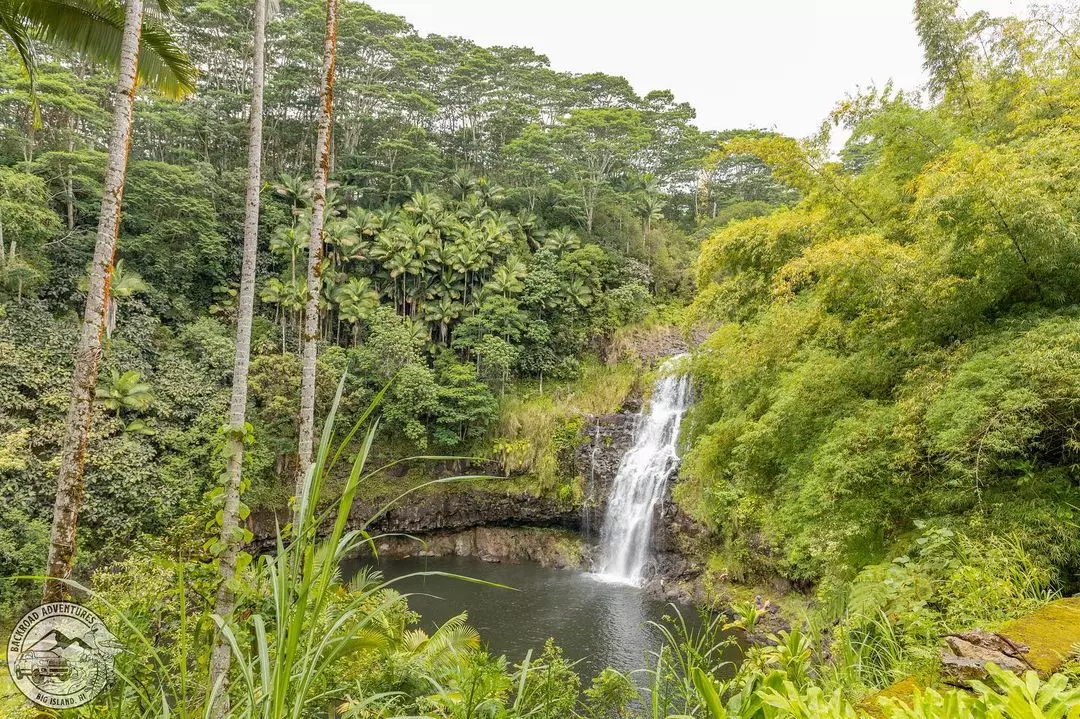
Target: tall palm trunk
{"x":69,"y":484}
{"x":230,"y":517}
{"x":310,"y":337}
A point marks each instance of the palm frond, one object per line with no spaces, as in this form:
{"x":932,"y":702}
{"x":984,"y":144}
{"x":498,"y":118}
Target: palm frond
{"x":14,"y":26}
{"x":365,"y":578}
{"x":95,"y":28}
{"x":414,"y":639}
{"x":455,"y":636}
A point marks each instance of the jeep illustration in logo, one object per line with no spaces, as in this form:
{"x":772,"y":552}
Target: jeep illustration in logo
{"x":60,"y":655}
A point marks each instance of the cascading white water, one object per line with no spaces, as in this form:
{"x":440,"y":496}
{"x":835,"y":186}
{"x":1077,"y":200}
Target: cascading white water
{"x":642,"y":479}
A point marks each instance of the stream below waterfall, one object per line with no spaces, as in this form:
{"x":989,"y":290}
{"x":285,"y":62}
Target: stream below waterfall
{"x":596,"y":623}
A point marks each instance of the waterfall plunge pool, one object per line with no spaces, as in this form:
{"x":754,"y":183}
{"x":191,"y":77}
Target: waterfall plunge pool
{"x":599,"y":620}
{"x":597,"y":623}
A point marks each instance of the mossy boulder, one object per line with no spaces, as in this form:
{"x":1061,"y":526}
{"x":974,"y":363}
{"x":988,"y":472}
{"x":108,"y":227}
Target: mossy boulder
{"x":1049,"y":636}
{"x":1050,"y":633}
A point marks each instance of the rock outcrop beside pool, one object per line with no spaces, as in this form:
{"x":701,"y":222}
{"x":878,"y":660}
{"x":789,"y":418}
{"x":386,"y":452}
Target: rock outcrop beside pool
{"x":558,"y":549}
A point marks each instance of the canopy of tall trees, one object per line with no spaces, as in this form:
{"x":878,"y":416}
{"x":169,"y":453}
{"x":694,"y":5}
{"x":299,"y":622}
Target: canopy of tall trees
{"x":489,"y":221}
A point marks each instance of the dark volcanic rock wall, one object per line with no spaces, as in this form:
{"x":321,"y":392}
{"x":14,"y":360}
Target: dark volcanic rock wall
{"x":604,"y":441}
{"x":557,"y":548}
{"x":446,"y":510}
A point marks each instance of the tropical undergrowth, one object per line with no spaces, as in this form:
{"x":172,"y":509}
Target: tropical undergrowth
{"x":305,"y":640}
{"x":785,"y":678}
{"x":308,"y":642}
{"x":888,"y":405}
{"x":539,"y":431}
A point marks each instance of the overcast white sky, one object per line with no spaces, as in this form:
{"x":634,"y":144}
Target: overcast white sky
{"x":778,"y":64}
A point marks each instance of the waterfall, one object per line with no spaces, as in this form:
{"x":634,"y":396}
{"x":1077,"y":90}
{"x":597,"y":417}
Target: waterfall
{"x":642,"y":479}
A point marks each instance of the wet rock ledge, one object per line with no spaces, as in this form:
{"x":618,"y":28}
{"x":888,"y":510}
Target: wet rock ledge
{"x":553,"y":548}
{"x":444,"y":512}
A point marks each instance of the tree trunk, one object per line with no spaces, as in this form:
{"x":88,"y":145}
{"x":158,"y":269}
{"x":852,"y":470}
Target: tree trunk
{"x":315,"y":245}
{"x":230,"y":518}
{"x":69,"y":186}
{"x":70,"y":200}
{"x":69,"y":485}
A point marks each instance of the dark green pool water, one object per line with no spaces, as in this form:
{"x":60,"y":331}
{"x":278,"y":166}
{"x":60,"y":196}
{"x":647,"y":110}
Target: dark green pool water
{"x":597,"y":623}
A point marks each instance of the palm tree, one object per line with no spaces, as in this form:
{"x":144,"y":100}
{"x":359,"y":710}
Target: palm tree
{"x":425,"y":206}
{"x":289,"y":298}
{"x":96,"y":29}
{"x":353,"y":248}
{"x":529,"y":225}
{"x":577,"y":292}
{"x":338,"y":233}
{"x":290,"y":241}
{"x":462,"y":183}
{"x":328,"y":282}
{"x":124,"y":284}
{"x":490,"y":192}
{"x":464,"y":255}
{"x":506,"y":279}
{"x":356,"y":300}
{"x":420,"y":248}
{"x":448,"y":283}
{"x":416,"y":331}
{"x":310,"y":337}
{"x":366,"y":223}
{"x":397,"y":265}
{"x":221,"y":655}
{"x":294,"y":189}
{"x":444,"y":311}
{"x":473,"y":207}
{"x":561,"y":240}
{"x":123,"y":391}
{"x":179,"y":77}
{"x":650,"y":208}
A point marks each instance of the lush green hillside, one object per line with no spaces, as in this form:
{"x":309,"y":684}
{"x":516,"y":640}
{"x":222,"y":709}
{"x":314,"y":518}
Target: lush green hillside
{"x":492,"y":223}
{"x":892,"y":395}
{"x":887,"y":395}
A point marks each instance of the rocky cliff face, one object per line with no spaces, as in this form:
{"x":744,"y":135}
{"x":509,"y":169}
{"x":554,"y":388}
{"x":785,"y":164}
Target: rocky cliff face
{"x":557,"y":548}
{"x":604,"y":441}
{"x":448,"y":511}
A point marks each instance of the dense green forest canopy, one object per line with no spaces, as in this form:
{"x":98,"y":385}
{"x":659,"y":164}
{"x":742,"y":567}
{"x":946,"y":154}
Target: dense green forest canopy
{"x":491,"y":221}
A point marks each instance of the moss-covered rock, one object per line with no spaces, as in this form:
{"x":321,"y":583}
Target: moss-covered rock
{"x":1051,"y":634}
